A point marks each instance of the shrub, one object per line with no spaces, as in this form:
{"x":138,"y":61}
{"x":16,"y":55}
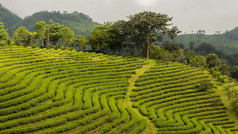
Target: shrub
{"x":204,"y":85}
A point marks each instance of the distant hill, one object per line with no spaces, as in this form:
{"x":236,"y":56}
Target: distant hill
{"x":9,"y":19}
{"x":227,"y":42}
{"x":80,"y":23}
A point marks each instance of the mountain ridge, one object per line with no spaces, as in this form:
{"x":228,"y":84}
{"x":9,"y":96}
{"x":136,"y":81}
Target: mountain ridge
{"x":226,"y":42}
{"x":80,"y":23}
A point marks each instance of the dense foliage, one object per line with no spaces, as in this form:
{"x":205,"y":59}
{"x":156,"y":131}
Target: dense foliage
{"x":144,"y":28}
{"x":234,"y":73}
{"x":3,"y":33}
{"x":196,"y":55}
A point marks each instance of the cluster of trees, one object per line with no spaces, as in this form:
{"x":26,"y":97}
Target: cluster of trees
{"x":197,"y":57}
{"x":211,"y":62}
{"x":166,"y":52}
{"x":138,"y":33}
{"x":49,"y":35}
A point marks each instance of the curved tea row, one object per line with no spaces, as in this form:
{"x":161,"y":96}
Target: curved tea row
{"x":61,"y":91}
{"x":55,"y":91}
{"x":169,"y":96}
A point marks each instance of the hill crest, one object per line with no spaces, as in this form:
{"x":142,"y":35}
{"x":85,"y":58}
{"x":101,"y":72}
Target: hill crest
{"x":80,"y":23}
{"x":226,"y":42}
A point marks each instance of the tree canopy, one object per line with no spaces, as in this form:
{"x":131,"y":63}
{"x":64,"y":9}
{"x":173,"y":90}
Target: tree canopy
{"x":3,"y":33}
{"x":81,"y":41}
{"x":212,"y":60}
{"x":144,"y":28}
{"x":22,"y":37}
{"x":55,"y":31}
{"x":67,"y":36}
{"x":100,"y":38}
{"x":234,"y":74}
{"x":40,"y":30}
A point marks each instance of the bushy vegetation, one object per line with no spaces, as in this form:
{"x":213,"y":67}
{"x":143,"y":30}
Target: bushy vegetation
{"x":205,"y":85}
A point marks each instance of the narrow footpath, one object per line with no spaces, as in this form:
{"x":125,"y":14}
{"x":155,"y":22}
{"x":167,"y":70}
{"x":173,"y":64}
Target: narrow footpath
{"x":150,"y":129}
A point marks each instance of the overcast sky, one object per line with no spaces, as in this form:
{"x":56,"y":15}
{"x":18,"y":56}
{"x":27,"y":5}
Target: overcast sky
{"x":188,"y":15}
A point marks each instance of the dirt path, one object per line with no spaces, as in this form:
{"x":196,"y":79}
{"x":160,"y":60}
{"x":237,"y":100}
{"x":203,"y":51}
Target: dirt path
{"x":150,"y":129}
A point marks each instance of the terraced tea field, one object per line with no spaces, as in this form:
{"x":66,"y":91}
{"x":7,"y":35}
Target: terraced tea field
{"x":56,"y":91}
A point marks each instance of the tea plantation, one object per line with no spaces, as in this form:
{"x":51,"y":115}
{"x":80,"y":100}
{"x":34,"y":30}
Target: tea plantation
{"x":62,"y":91}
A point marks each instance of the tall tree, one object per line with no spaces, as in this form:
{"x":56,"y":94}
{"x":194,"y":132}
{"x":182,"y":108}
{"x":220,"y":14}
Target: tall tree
{"x":55,"y":32}
{"x":144,"y":28}
{"x":3,"y":33}
{"x":41,"y":29}
{"x":67,"y":36}
{"x":116,"y":40}
{"x":190,"y":56}
{"x":100,"y":37}
{"x":81,"y":41}
{"x":23,"y":37}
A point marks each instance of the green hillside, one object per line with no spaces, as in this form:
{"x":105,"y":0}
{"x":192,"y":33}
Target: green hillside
{"x":9,"y":19}
{"x":62,"y":91}
{"x":227,"y":42}
{"x":80,"y":23}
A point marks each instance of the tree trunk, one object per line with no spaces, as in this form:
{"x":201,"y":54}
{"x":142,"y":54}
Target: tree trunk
{"x":42,"y":42}
{"x":147,"y":49}
{"x":48,"y":41}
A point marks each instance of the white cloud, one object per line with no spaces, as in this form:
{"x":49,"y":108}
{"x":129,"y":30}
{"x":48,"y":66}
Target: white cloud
{"x":146,"y":3}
